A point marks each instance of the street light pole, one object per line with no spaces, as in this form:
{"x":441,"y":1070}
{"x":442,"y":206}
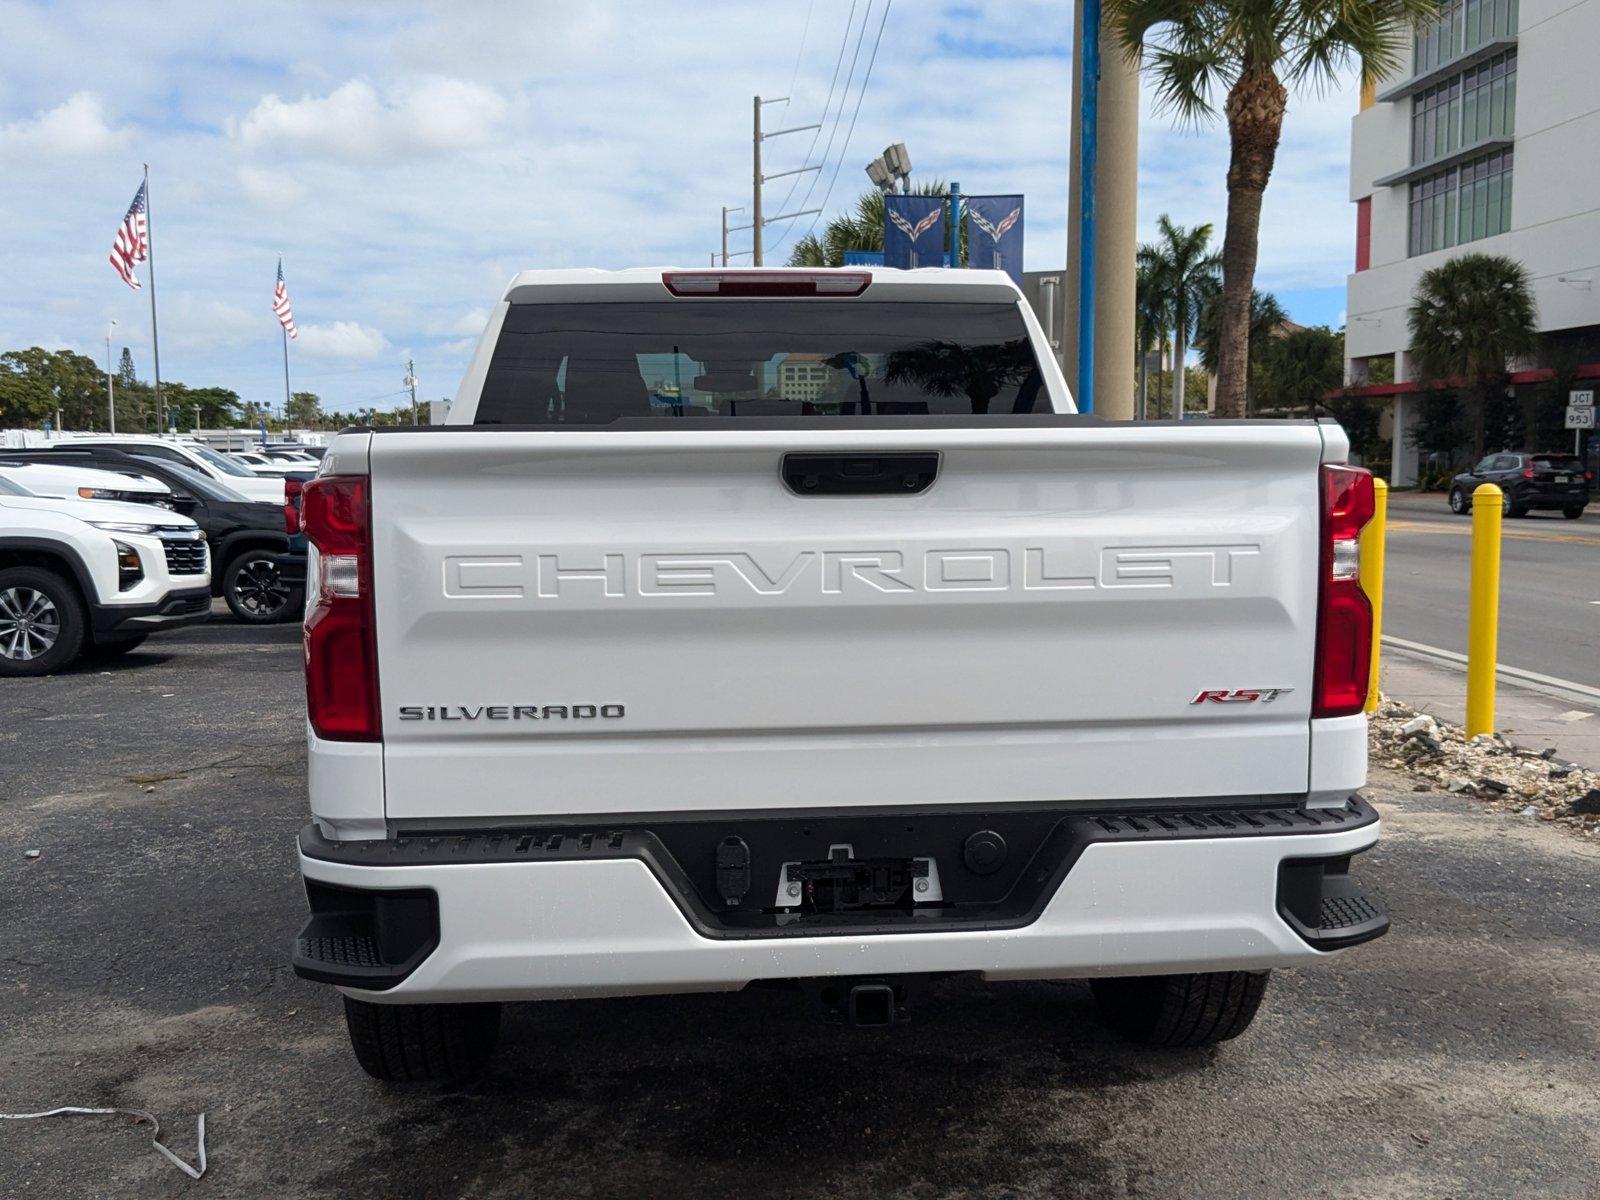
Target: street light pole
{"x":111,"y":393}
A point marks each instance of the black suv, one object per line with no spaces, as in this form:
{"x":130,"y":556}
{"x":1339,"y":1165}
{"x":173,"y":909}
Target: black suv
{"x":258,"y":568}
{"x":1529,"y":481}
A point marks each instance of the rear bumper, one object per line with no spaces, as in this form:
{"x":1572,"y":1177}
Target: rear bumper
{"x":190,"y":606}
{"x":1552,"y":497}
{"x":468,"y":924}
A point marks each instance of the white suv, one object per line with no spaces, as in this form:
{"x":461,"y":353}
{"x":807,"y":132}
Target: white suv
{"x":198,"y":457}
{"x":92,"y":577}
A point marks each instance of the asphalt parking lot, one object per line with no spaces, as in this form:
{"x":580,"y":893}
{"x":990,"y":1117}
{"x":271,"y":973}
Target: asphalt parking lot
{"x":143,"y":964}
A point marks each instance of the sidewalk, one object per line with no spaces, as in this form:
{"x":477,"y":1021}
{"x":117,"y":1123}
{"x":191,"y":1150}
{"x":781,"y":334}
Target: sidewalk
{"x":1527,"y":713}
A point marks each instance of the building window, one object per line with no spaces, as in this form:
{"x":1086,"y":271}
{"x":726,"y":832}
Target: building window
{"x":1461,"y":204}
{"x":1463,"y":26}
{"x":1478,"y":104}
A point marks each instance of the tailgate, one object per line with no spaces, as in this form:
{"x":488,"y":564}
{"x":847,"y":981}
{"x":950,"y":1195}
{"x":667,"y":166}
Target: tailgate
{"x":607,"y":622}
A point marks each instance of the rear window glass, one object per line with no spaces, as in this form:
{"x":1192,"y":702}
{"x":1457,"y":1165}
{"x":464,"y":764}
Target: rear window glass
{"x":591,"y":364}
{"x":1557,"y":462}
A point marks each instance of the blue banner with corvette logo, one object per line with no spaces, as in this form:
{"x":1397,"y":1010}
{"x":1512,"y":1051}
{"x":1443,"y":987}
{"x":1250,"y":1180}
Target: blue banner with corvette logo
{"x":994,"y":234}
{"x":913,"y":231}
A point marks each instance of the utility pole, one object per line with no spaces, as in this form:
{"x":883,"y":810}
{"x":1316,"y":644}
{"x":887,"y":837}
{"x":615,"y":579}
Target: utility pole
{"x":197,"y":418}
{"x":111,"y":391}
{"x":757,"y":221}
{"x":725,"y":211}
{"x":411,"y":382}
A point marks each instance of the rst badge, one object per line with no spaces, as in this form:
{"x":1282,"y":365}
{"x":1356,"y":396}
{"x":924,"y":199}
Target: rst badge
{"x":1240,"y":696}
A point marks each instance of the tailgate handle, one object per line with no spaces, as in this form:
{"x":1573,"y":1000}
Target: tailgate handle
{"x":867,"y":473}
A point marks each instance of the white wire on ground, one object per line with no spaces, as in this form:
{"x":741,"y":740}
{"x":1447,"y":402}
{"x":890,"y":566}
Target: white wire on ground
{"x":155,"y":1126}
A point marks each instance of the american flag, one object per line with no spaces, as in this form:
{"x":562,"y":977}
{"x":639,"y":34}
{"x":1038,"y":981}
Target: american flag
{"x":133,"y":241}
{"x":280,"y":303}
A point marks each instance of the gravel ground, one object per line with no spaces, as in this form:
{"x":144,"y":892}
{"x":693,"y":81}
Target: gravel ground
{"x":142,"y":964}
{"x":1490,"y":767}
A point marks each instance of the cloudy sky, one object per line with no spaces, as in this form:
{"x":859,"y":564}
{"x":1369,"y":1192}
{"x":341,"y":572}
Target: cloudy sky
{"x":407,"y":158}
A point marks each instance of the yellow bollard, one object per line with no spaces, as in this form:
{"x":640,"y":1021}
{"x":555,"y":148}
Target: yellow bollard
{"x":1483,"y":615}
{"x":1373,"y":538}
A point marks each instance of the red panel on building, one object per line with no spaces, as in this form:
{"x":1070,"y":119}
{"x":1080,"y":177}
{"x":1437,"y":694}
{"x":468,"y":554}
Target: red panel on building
{"x":1363,"y":233}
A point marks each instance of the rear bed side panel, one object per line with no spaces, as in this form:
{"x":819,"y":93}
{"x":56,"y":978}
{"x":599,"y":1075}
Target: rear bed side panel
{"x":1034,"y":626}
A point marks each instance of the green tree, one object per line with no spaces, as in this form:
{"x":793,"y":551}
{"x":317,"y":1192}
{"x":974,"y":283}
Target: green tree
{"x":1469,"y":318}
{"x":1183,"y":271}
{"x":859,"y":229}
{"x":1252,"y":52}
{"x":1267,"y":319}
{"x":1152,"y":320}
{"x":36,"y":383}
{"x":126,"y":376}
{"x":304,"y":410}
{"x":1300,"y":368}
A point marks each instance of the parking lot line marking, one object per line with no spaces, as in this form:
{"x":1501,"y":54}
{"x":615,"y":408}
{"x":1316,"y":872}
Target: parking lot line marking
{"x":1466,"y":531}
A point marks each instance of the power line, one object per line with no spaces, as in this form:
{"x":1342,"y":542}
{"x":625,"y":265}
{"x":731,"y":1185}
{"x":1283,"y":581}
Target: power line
{"x":798,"y":54}
{"x":827,"y":104}
{"x":860,"y":96}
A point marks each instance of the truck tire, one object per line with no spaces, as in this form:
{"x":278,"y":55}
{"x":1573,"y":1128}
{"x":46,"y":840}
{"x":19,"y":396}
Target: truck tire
{"x":1181,"y":1010}
{"x":418,"y":1043}
{"x":41,"y":622}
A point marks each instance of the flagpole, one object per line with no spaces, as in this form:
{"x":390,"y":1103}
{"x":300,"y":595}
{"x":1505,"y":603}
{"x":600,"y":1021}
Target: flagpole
{"x":155,"y":339}
{"x":284,"y":330}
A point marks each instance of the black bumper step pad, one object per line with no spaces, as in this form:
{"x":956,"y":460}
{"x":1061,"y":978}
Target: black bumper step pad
{"x":1326,"y":907}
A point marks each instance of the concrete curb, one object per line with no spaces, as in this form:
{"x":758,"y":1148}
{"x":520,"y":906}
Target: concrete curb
{"x":1561,"y":689}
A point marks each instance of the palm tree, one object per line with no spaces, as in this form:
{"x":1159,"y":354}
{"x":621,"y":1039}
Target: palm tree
{"x":1250,"y":50}
{"x":1267,"y":318}
{"x":861,"y":229}
{"x":980,"y":373}
{"x":1299,"y":369}
{"x":1184,"y":269}
{"x":1469,"y":318}
{"x":1152,"y":319}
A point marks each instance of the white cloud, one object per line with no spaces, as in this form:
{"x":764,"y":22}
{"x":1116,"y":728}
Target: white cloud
{"x":470,"y":324}
{"x":356,"y":124}
{"x":342,"y":339}
{"x":274,"y":190}
{"x":73,"y":129}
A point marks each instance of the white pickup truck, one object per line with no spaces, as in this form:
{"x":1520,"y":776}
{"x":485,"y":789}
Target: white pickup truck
{"x":747,"y":627}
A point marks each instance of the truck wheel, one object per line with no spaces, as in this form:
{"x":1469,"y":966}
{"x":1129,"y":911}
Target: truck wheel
{"x":1572,"y":512}
{"x":41,"y":622}
{"x":417,"y":1043}
{"x":254,"y":587}
{"x":1181,"y":1010}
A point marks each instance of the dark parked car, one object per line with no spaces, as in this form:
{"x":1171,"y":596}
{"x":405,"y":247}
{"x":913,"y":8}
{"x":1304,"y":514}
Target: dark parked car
{"x":1529,"y":481}
{"x":258,"y":568}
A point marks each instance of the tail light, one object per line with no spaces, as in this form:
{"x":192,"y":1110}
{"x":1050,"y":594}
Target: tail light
{"x":291,"y":505}
{"x":1344,"y":614}
{"x":1527,"y":472}
{"x":766,"y":283}
{"x":341,"y":649}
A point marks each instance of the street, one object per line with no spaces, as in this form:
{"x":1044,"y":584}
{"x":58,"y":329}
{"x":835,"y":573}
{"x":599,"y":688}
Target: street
{"x":144,"y":963}
{"x":1549,"y":585}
